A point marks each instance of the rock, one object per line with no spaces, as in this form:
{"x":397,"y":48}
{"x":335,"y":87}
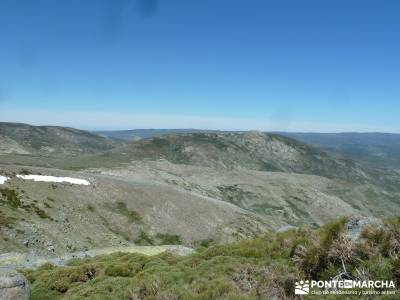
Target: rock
{"x":355,"y":225}
{"x":14,"y":286}
{"x":179,"y":250}
{"x":285,"y":228}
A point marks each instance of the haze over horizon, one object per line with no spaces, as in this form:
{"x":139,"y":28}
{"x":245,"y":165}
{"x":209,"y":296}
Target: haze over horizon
{"x":228,"y":65}
{"x":112,"y":122}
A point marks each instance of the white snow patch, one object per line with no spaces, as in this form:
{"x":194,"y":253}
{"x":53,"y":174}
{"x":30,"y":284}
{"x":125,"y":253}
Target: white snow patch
{"x":3,"y":179}
{"x":45,"y":178}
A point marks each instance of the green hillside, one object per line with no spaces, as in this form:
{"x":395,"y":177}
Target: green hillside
{"x":263,"y":268}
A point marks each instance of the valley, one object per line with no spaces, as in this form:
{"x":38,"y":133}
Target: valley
{"x":198,"y":186}
{"x":91,"y":195}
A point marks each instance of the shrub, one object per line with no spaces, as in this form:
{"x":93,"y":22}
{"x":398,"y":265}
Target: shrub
{"x":206,"y":243}
{"x":144,"y":239}
{"x":342,"y":250}
{"x":10,"y":197}
{"x":41,"y":213}
{"x":276,"y":283}
{"x":91,"y":208}
{"x":6,"y":220}
{"x":47,"y":205}
{"x":25,"y":172}
{"x":131,"y":215}
{"x":169,"y":239}
{"x":61,"y":279}
{"x":118,"y":271}
{"x":312,"y":257}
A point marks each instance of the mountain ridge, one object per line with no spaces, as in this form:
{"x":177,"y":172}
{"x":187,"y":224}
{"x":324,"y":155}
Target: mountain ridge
{"x":379,"y":149}
{"x":28,"y":139}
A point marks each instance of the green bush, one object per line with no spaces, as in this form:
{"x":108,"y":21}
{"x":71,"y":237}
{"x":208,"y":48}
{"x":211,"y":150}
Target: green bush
{"x":59,"y":279}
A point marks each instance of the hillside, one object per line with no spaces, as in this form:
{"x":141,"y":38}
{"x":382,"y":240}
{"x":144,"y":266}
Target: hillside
{"x":249,"y":150}
{"x":49,"y":140}
{"x":281,"y":198}
{"x":56,"y":218}
{"x":286,"y":181}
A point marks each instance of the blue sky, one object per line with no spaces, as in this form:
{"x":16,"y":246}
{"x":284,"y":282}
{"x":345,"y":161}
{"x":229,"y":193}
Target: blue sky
{"x":254,"y":64}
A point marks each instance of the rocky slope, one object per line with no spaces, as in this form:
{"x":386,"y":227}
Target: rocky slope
{"x":249,"y":150}
{"x":284,"y":199}
{"x":59,"y":217}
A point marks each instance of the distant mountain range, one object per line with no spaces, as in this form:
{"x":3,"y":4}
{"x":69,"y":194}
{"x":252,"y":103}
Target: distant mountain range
{"x":375,"y":149}
{"x":378,"y":149}
{"x":136,"y":134}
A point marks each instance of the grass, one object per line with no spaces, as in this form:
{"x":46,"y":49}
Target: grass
{"x":262,"y":268}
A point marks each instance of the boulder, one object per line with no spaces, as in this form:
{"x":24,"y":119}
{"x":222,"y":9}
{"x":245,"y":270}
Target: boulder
{"x":356,"y":224}
{"x":13,"y":286}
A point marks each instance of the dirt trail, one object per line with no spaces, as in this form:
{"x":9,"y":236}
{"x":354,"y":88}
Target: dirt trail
{"x":15,"y":260}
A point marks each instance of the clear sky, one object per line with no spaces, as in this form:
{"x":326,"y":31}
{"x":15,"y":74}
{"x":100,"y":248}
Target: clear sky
{"x":221,"y":64}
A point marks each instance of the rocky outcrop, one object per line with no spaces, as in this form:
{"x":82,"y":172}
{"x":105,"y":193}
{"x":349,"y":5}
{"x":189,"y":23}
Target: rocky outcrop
{"x":13,"y":286}
{"x":356,"y":224}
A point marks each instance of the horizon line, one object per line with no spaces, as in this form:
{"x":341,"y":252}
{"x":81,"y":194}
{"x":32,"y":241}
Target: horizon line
{"x":109,"y":121}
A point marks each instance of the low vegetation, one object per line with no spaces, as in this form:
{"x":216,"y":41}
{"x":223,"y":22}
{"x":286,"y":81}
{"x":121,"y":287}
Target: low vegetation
{"x":10,"y":198}
{"x":144,"y":239}
{"x":233,"y":194}
{"x":6,"y":221}
{"x":261,"y":268}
